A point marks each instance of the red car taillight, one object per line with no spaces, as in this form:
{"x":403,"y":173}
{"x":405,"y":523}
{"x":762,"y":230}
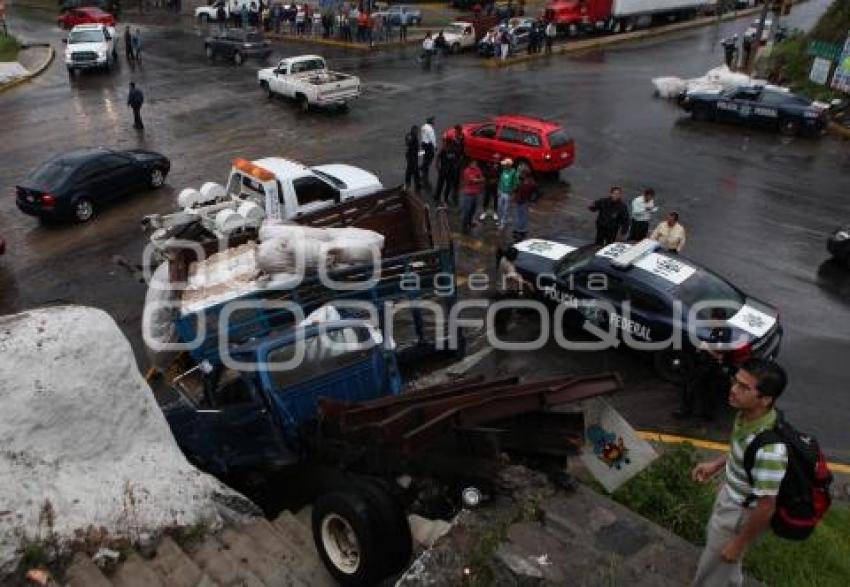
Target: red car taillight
{"x":48,"y":200}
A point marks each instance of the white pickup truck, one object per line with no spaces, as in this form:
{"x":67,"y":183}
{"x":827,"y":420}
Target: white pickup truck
{"x":307,"y":80}
{"x":90,"y":46}
{"x":210,"y":13}
{"x":459,"y":36}
{"x":281,"y":188}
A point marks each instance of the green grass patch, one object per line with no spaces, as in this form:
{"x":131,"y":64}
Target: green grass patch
{"x":8,"y":48}
{"x":665,"y":494}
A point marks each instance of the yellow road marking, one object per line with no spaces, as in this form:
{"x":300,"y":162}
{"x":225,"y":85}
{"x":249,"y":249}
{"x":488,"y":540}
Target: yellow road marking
{"x":711,"y":445}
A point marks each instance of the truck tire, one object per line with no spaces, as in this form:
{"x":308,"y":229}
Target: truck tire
{"x":210,"y":53}
{"x":238,"y":59}
{"x":267,"y":89}
{"x":303,"y":102}
{"x":348,"y":538}
{"x":455,"y":48}
{"x":204,"y":18}
{"x":398,"y":541}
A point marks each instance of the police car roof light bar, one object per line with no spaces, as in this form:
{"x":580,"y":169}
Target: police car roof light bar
{"x":634,"y":253}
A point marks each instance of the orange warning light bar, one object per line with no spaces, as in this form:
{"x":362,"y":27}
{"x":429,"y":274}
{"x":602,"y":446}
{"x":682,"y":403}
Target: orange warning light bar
{"x":253,"y":170}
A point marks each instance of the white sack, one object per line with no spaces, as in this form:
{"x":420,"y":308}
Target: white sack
{"x":188,"y":198}
{"x":669,"y":87}
{"x":212,"y":191}
{"x":275,"y":256}
{"x":82,"y":432}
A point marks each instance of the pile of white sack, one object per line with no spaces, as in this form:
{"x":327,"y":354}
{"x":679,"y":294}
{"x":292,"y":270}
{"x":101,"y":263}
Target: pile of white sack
{"x":284,"y":255}
{"x":715,"y":80}
{"x":84,"y":441}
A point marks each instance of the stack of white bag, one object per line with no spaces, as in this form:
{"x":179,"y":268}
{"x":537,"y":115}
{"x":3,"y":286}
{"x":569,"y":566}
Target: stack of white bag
{"x":284,"y":248}
{"x":715,"y":80}
{"x":222,"y":276}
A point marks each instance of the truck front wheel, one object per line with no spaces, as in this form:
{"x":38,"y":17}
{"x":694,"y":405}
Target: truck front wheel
{"x":267,"y":89}
{"x":348,"y":538}
{"x":303,"y":102}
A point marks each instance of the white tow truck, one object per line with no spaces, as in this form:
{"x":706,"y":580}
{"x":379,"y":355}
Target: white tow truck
{"x":307,"y":80}
{"x":273,"y":187}
{"x":209,"y":13}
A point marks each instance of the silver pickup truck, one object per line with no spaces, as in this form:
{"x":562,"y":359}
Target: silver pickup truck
{"x":307,"y":80}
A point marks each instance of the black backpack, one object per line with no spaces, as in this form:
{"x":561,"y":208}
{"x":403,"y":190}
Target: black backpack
{"x":804,"y":495}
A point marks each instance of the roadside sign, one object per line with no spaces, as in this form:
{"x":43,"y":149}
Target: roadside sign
{"x":820,"y":70}
{"x":841,"y":77}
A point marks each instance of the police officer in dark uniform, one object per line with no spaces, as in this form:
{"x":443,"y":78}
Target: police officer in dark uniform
{"x":448,"y":171}
{"x":612,"y":217}
{"x":708,"y":379}
{"x":730,"y":50}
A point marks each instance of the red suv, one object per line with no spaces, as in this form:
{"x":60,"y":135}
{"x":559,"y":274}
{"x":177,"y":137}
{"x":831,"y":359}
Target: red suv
{"x":542,"y":145}
{"x":86,"y":15}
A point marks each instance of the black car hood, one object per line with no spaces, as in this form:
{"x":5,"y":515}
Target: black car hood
{"x":143,"y":155}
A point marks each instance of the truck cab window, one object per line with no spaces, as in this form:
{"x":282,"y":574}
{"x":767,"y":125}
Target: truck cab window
{"x":312,"y":189}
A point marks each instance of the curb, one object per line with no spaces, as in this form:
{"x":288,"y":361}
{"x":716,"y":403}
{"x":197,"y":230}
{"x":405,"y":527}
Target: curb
{"x":586,"y":45}
{"x":16,"y":82}
{"x":342,"y":44}
{"x":838,"y":130}
{"x":714,"y":446}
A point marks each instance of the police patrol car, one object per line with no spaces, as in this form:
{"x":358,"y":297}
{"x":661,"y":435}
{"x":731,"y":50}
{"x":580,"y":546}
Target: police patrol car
{"x":764,"y":106}
{"x":648,"y":295}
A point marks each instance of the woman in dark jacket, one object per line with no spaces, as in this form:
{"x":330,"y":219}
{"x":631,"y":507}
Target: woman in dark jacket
{"x":411,"y":141}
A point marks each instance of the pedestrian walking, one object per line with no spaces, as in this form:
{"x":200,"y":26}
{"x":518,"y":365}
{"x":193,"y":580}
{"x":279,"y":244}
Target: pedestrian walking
{"x":746,"y":49}
{"x":642,"y":209}
{"x":428,"y":142}
{"x":402,"y":27}
{"x":551,"y":33}
{"x":221,"y":17}
{"x":730,"y":50}
{"x":441,"y":47}
{"x":137,"y":45}
{"x":670,"y":234}
{"x":747,"y":499}
{"x":611,"y":218}
{"x":427,"y":50}
{"x":128,"y":44}
{"x":135,"y":99}
{"x":411,"y":157}
{"x":707,"y":379}
{"x":508,"y":182}
{"x":525,"y":192}
{"x":505,"y":44}
{"x":491,"y":184}
{"x":448,"y":173}
{"x":473,"y":186}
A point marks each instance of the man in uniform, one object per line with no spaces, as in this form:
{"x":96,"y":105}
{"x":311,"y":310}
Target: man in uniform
{"x":612,"y":217}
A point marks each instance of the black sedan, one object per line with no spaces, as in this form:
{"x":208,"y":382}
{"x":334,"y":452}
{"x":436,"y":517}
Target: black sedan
{"x":238,"y":45}
{"x":76,"y":184}
{"x":838,"y":245}
{"x":653,"y":300}
{"x":758,"y":106}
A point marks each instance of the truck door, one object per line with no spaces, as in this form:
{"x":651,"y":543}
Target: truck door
{"x":311,"y":193}
{"x":278,"y":81}
{"x":241,"y":424}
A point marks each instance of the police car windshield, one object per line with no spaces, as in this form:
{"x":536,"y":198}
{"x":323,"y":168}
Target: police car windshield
{"x":576,"y":260}
{"x":707,"y":289}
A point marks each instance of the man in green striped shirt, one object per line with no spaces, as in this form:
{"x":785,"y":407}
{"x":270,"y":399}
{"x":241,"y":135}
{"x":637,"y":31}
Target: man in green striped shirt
{"x":742,"y":510}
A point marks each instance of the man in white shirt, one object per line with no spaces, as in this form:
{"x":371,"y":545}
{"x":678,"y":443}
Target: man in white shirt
{"x":428,"y":142}
{"x":427,"y":50}
{"x":670,"y":234}
{"x":642,"y":208}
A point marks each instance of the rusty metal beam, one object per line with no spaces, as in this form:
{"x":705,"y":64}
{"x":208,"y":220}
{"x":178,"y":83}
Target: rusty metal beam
{"x":508,"y":404}
{"x":352,"y":416}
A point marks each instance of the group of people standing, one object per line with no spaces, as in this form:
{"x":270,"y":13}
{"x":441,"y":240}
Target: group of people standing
{"x":498,"y":187}
{"x":615,"y":221}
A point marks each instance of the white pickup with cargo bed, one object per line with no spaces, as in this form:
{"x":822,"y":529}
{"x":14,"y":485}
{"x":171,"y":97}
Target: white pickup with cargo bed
{"x":307,"y":80}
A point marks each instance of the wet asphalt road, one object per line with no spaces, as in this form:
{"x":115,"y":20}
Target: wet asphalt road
{"x":757,"y":206}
